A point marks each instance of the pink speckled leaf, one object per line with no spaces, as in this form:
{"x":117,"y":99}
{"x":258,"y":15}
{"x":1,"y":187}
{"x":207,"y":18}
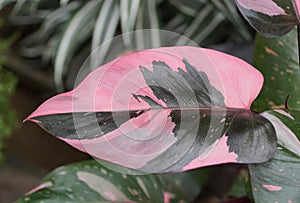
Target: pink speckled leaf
{"x":271,"y":18}
{"x":164,"y":110}
{"x":278,"y":180}
{"x":88,"y":181}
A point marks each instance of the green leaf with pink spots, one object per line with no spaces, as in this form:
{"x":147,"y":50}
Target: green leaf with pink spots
{"x":88,"y":181}
{"x":277,"y":60}
{"x":278,"y":180}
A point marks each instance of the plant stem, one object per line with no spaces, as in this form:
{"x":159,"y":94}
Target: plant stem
{"x":298,"y":34}
{"x":286,"y":102}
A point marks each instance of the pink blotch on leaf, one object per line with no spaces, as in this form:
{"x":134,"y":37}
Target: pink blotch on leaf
{"x":110,"y":195}
{"x":167,"y":197}
{"x":272,"y":187}
{"x":297,"y":4}
{"x":217,"y":156}
{"x":40,"y":187}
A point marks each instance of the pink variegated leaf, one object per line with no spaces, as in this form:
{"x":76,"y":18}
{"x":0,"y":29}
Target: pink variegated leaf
{"x":164,"y":110}
{"x":271,"y":18}
{"x":88,"y":181}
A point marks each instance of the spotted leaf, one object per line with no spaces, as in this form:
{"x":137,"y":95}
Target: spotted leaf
{"x":278,"y":180}
{"x":88,"y":181}
{"x":271,"y":18}
{"x":164,"y":110}
{"x":277,"y":60}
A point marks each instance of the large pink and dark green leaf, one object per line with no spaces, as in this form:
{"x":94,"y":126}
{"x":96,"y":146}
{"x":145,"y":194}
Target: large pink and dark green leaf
{"x":278,"y":180}
{"x":164,"y":110}
{"x":277,"y":60}
{"x":88,"y":181}
{"x":271,"y":18}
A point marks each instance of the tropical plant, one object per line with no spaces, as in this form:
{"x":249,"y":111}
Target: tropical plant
{"x":173,"y":109}
{"x":70,"y":29}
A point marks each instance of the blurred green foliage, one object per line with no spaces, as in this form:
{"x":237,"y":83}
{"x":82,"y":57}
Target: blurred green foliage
{"x":8,"y":83}
{"x":56,"y":32}
{"x":7,"y":115}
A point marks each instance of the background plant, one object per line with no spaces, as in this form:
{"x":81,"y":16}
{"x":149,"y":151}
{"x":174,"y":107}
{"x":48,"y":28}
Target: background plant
{"x":73,"y":29}
{"x":7,"y":87}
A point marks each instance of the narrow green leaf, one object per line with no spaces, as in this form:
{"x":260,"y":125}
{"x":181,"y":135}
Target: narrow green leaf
{"x":277,"y":60}
{"x":229,"y":10}
{"x":77,"y":31}
{"x":189,"y":8}
{"x":278,"y":180}
{"x":129,"y":11}
{"x":105,"y":29}
{"x":209,"y":21}
{"x":88,"y":181}
{"x":214,"y":23}
{"x":3,"y":3}
{"x":147,"y":19}
{"x":64,"y":2}
{"x":198,"y":20}
{"x":44,"y":42}
{"x":176,"y":24}
{"x":57,"y":17}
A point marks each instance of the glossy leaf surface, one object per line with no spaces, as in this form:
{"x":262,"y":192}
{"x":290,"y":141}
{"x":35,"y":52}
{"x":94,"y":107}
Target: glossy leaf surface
{"x":277,"y":60}
{"x":278,"y":180}
{"x":271,"y":18}
{"x":164,"y":110}
{"x":88,"y":181}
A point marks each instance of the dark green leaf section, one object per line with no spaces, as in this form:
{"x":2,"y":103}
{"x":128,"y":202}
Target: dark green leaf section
{"x":188,"y":183}
{"x":238,"y":188}
{"x":250,"y":136}
{"x":190,"y":88}
{"x":85,"y":125}
{"x":183,"y":90}
{"x":291,"y":119}
{"x":278,"y":180}
{"x":196,"y":130}
{"x":271,"y":25}
{"x":277,"y":60}
{"x":283,"y":173}
{"x":251,"y":129}
{"x":88,"y":181}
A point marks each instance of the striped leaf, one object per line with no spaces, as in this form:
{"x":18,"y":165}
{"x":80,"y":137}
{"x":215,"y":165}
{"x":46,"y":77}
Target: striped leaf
{"x":277,"y":60}
{"x":78,"y":30}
